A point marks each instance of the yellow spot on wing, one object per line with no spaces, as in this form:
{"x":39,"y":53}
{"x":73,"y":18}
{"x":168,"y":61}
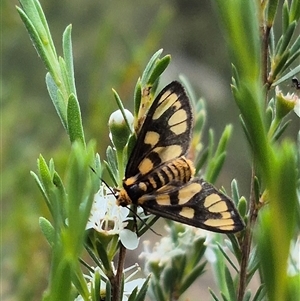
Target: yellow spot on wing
{"x":218,"y":207}
{"x":169,"y":152}
{"x":187,"y":212}
{"x":179,"y":128}
{"x":177,"y":122}
{"x":163,"y":199}
{"x":165,"y":102}
{"x":187,"y":192}
{"x":224,"y":224}
{"x":145,"y":166}
{"x":211,"y":200}
{"x":130,"y":181}
{"x":151,"y":138}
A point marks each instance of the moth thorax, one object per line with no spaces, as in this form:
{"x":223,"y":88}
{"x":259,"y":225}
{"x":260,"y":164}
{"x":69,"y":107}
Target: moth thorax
{"x":123,"y":199}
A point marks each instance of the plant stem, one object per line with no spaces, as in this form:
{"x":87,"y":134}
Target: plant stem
{"x":119,"y":274}
{"x":246,"y":245}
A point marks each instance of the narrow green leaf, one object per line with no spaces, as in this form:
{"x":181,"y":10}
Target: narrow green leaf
{"x":253,"y":264}
{"x":279,"y":67}
{"x":112,"y":163}
{"x":260,"y":293}
{"x":280,"y":130}
{"x":242,"y":206}
{"x":57,"y":99}
{"x":133,"y":295}
{"x":68,"y":58}
{"x":230,"y":285}
{"x":191,"y":277}
{"x":235,"y":191}
{"x":295,"y":11}
{"x":41,"y":188}
{"x":227,"y":257}
{"x":287,"y":76}
{"x":215,"y":168}
{"x":201,"y":160}
{"x":213,"y":295}
{"x":137,"y":97}
{"x":271,"y":11}
{"x":108,"y":291}
{"x":285,"y":16}
{"x":247,"y":295}
{"x":158,"y":69}
{"x":287,"y":38}
{"x":47,"y":230}
{"x":143,"y":290}
{"x":148,"y":70}
{"x":37,"y":43}
{"x":74,"y":120}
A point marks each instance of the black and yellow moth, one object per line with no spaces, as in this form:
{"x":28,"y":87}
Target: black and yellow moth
{"x":160,"y":179}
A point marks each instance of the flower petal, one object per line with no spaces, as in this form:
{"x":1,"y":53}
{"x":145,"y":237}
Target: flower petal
{"x":129,"y":239}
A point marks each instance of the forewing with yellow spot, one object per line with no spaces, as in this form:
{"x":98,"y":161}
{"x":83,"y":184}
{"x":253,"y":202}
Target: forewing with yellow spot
{"x":165,"y":133}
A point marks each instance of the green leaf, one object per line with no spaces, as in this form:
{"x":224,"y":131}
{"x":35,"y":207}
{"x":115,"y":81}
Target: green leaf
{"x":112,"y":164}
{"x":149,"y":68}
{"x":158,"y":69}
{"x":260,"y":293}
{"x":235,"y":191}
{"x":143,"y":290}
{"x":295,"y":10}
{"x":57,"y":100}
{"x":213,"y":295}
{"x":272,"y":6}
{"x":47,"y":230}
{"x":227,"y":257}
{"x":74,"y":120}
{"x":247,"y":295}
{"x":68,"y":58}
{"x":286,"y":39}
{"x":35,"y":38}
{"x":137,"y":97}
{"x":191,"y":277}
{"x":285,"y":16}
{"x":242,"y":206}
{"x":230,"y":285}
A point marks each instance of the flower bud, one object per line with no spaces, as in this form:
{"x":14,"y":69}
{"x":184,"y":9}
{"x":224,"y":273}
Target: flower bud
{"x":285,"y":103}
{"x":119,"y":130}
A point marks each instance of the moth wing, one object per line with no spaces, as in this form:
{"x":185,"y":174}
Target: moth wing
{"x":196,"y":203}
{"x":166,"y":132}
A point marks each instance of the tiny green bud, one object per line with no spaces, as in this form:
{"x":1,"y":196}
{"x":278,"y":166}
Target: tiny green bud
{"x":119,"y":130}
{"x":242,"y":206}
{"x":285,"y":103}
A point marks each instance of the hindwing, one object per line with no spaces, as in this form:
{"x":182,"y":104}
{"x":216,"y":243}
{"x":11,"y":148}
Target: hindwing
{"x":196,"y":203}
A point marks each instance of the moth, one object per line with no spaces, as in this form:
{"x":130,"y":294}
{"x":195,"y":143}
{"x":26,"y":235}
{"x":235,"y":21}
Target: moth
{"x":160,"y":179}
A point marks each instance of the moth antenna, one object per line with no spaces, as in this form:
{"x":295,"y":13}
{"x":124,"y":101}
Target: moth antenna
{"x":105,"y":183}
{"x":135,"y":215}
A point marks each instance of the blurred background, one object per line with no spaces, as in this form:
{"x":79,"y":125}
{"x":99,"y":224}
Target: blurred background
{"x":112,"y":42}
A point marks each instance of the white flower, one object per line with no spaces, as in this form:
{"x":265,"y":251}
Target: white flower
{"x":108,"y":218}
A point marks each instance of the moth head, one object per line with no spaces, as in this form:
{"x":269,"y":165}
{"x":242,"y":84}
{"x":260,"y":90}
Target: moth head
{"x":123,"y":199}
